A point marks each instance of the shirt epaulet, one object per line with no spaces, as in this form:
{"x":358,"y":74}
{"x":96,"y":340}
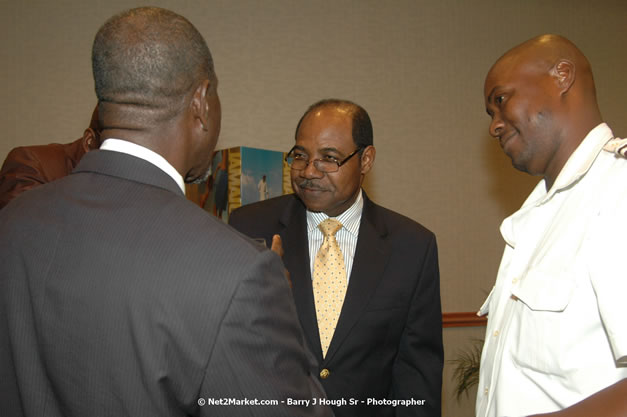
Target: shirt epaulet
{"x":617,"y":146}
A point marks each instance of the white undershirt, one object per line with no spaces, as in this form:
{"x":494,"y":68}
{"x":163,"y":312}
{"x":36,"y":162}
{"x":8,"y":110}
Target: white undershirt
{"x":130,"y":148}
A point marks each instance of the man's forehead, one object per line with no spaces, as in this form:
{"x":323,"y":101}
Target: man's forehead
{"x":514,"y":68}
{"x":524,"y":59}
{"x":324,"y":145}
{"x":499,"y":75}
{"x":329,"y":140}
{"x":504,"y":67}
{"x":315,"y":149}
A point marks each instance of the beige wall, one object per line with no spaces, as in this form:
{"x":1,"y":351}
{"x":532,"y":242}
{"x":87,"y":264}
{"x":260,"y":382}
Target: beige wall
{"x":416,"y":66}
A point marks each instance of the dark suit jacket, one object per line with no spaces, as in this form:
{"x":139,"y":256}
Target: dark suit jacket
{"x":27,"y":167}
{"x":388,"y":341}
{"x":119,"y":297}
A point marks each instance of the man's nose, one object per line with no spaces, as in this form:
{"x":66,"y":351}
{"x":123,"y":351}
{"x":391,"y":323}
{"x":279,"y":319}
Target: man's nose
{"x":311,"y":171}
{"x":496,"y":126}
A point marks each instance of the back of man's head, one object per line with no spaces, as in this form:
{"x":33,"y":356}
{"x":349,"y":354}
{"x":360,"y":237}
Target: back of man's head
{"x":148,"y":59}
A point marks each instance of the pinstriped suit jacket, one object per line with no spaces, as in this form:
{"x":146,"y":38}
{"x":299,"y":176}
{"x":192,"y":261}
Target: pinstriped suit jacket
{"x":120,"y":297}
{"x":388,"y":340}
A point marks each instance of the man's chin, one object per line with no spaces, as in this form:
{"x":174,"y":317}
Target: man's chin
{"x":520,"y":165}
{"x":312,"y":204}
{"x":199,"y":180}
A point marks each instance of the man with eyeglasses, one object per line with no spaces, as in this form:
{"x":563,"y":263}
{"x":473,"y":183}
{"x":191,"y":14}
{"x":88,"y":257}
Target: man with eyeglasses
{"x":382,"y":355}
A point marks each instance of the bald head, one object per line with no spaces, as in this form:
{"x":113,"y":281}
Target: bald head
{"x":362,"y":126}
{"x":543,"y":54}
{"x":542,"y":101}
{"x":156,"y":87}
{"x":548,"y":49}
{"x":148,"y":59}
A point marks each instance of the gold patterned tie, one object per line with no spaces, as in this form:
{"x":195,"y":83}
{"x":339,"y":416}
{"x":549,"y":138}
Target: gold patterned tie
{"x":329,"y":282}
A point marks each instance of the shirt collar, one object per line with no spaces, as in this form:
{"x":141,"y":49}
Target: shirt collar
{"x":130,"y":148}
{"x":350,"y":219}
{"x":577,"y":165}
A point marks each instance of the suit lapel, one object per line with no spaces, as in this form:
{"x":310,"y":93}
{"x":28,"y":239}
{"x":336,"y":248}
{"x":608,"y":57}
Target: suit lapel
{"x":296,"y":259}
{"x":371,"y":255}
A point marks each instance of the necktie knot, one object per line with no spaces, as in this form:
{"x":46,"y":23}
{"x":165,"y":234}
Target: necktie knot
{"x":329,"y":227}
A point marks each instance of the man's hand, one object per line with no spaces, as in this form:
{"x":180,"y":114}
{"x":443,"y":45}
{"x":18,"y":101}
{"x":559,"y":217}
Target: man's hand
{"x":277,"y":247}
{"x":609,"y":402}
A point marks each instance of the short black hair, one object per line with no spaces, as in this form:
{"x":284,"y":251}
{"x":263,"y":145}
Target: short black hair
{"x":150,"y":58}
{"x":362,"y":126}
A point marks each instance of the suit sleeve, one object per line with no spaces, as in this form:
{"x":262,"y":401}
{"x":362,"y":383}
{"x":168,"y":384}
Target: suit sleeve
{"x":418,"y":367}
{"x":19,"y":173}
{"x":259,"y":354}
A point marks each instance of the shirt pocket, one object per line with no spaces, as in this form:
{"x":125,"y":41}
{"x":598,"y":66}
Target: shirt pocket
{"x":543,"y":290}
{"x":543,"y":326}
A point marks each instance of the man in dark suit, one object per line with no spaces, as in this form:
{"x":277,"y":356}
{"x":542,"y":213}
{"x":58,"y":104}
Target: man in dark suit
{"x":118,"y":296}
{"x":27,"y":167}
{"x":387,"y":342}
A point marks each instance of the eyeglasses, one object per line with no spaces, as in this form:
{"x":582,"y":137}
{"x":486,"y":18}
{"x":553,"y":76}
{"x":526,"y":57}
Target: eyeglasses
{"x":327,"y":164}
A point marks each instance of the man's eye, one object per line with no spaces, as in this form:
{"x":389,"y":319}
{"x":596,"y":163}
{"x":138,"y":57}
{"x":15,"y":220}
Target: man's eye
{"x":499,"y":99}
{"x":329,"y":158}
{"x":300,"y":157}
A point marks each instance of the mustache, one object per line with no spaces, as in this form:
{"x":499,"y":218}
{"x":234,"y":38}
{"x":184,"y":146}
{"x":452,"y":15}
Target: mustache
{"x":310,"y":185}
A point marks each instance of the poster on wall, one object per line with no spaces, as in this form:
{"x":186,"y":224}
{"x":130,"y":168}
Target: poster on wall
{"x":241,"y":176}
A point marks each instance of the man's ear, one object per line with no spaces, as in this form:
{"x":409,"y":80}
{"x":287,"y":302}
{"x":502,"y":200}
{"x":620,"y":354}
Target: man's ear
{"x":367,"y":159}
{"x":564,"y":74}
{"x":91,"y":140}
{"x":200,"y":104}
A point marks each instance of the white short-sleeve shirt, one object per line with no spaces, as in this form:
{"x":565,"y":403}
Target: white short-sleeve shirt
{"x":557,"y":315}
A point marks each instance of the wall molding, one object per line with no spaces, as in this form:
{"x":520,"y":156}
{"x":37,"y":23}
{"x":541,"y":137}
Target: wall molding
{"x":463,"y":319}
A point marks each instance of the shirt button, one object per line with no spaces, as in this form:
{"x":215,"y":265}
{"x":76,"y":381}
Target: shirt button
{"x":324,"y":374}
{"x":496,"y":333}
{"x":515,"y":280}
{"x":485,"y":391}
